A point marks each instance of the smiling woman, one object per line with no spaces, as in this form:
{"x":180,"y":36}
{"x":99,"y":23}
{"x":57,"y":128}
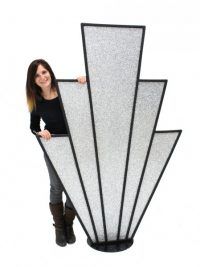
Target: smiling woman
{"x":43,"y":103}
{"x":43,"y":100}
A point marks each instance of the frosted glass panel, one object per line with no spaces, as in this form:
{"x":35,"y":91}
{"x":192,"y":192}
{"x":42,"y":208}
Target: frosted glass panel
{"x":112,"y":57}
{"x":59,"y":152}
{"x":147,"y":106}
{"x":160,"y":150}
{"x":77,"y":110}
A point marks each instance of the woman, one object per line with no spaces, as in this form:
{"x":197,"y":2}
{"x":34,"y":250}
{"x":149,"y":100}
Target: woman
{"x":43,"y":103}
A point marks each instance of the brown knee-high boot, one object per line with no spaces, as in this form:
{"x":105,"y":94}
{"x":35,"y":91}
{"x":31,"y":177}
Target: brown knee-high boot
{"x":69,"y":217}
{"x":57,"y":212}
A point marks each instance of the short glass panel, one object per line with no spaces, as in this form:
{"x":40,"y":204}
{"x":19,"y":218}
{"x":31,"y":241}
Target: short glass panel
{"x":160,"y":151}
{"x":60,"y":154}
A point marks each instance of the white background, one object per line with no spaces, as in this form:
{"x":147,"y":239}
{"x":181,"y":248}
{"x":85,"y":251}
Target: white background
{"x":169,"y":234}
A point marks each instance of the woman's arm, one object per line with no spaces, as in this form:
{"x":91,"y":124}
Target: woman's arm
{"x":35,"y":126}
{"x":34,"y":122}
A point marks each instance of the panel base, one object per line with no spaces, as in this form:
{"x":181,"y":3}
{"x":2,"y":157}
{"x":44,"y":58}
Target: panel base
{"x":114,"y":246}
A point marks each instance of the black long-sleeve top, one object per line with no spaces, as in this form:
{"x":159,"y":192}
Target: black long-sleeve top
{"x":50,"y":112}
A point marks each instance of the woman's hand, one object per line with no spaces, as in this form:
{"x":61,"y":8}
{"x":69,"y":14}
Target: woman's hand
{"x":81,"y":79}
{"x":45,"y":134}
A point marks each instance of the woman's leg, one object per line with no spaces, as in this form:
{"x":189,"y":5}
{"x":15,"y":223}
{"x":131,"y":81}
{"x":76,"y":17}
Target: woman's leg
{"x":56,"y":188}
{"x":56,"y":205}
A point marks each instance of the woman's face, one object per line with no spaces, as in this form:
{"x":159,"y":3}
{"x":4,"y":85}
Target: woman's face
{"x":43,"y":78}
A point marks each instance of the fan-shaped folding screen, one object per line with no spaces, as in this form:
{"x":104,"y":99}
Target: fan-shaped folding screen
{"x":113,"y":159}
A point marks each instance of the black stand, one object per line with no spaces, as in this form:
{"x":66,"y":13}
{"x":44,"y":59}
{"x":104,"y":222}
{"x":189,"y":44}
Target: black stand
{"x":111,"y":246}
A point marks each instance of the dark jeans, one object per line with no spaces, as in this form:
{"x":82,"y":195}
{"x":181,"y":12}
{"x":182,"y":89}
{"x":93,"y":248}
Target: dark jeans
{"x":56,"y":188}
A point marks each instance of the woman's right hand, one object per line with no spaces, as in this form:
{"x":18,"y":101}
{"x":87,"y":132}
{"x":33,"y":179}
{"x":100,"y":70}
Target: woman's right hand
{"x":45,"y":134}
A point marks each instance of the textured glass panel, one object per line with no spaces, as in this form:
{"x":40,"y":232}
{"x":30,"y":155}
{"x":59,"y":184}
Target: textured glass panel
{"x":59,"y":152}
{"x":147,"y":106}
{"x":76,"y":105}
{"x":112,"y":57}
{"x":160,"y":150}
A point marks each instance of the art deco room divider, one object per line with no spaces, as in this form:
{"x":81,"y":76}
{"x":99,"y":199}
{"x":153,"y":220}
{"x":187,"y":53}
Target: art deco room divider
{"x":113,"y":159}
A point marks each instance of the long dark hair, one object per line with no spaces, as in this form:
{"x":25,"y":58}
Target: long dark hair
{"x":33,"y":91}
